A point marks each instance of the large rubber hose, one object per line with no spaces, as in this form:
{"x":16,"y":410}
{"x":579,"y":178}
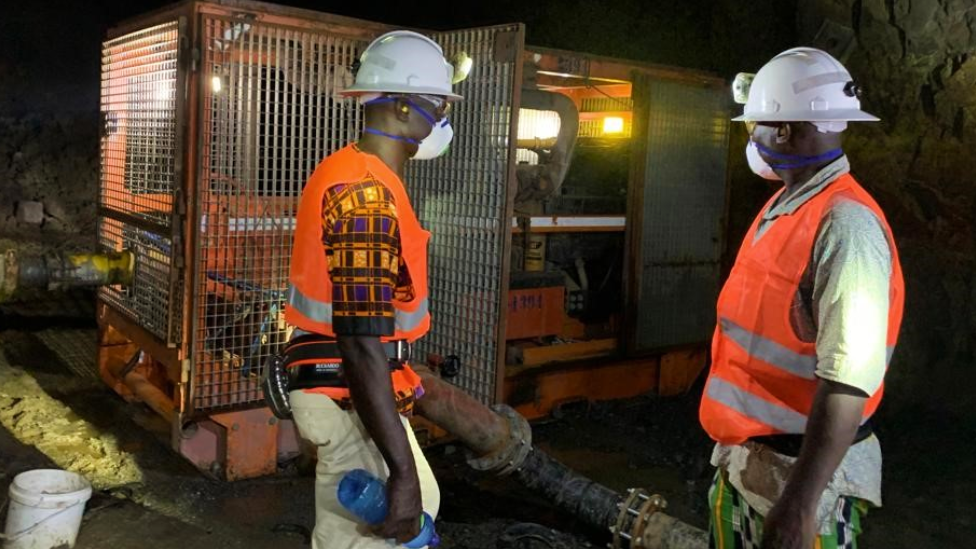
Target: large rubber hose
{"x":61,"y":271}
{"x":487,"y":433}
{"x":590,"y":501}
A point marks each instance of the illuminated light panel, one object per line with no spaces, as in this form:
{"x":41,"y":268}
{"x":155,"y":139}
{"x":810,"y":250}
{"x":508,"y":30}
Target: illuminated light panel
{"x":613,"y":124}
{"x":536,"y":124}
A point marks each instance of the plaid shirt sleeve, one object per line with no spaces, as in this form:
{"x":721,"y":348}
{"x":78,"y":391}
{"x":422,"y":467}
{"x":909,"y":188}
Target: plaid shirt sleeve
{"x":362,"y":241}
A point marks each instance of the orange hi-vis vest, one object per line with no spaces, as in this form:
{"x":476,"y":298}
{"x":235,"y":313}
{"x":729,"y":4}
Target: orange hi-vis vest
{"x":309,"y":306}
{"x":762,"y":379}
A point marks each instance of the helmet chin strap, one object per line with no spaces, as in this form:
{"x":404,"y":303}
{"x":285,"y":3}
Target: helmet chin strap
{"x":793,"y":161}
{"x":388,"y":99}
{"x":374,"y":131}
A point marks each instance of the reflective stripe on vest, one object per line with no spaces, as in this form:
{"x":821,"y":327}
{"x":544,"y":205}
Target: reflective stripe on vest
{"x":774,"y":354}
{"x":318,"y":311}
{"x":769,"y":351}
{"x":311,"y":308}
{"x":748,"y":404}
{"x":762,"y":379}
{"x":406,"y":321}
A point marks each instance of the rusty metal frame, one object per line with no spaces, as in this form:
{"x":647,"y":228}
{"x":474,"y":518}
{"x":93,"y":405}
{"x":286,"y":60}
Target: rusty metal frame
{"x":294,"y":18}
{"x":190,"y":317}
{"x":108,"y":315}
{"x":634,"y":217}
{"x":517,"y":84}
{"x":261,"y":11}
{"x":188,"y":205}
{"x":642,"y":80}
{"x":149,"y":19}
{"x":177,"y":260}
{"x":609,"y":69}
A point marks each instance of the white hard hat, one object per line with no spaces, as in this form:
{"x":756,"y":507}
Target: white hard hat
{"x":403,"y":62}
{"x":802,"y":85}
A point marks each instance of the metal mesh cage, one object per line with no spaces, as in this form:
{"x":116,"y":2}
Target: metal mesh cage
{"x":146,"y":300}
{"x":139,"y":117}
{"x":138,"y":155}
{"x":680,"y":218}
{"x":462,"y":199}
{"x":270,"y":114}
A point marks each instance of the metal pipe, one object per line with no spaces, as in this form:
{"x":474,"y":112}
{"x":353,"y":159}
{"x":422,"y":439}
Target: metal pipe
{"x":457,"y":412}
{"x":562,"y":150}
{"x":144,"y":389}
{"x":536,"y":143}
{"x":500,"y":440}
{"x":666,"y":532}
{"x":151,"y":395}
{"x":60,"y":271}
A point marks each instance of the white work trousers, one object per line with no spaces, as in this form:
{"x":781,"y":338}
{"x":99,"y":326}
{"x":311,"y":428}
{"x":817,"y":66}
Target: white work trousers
{"x":343,"y":444}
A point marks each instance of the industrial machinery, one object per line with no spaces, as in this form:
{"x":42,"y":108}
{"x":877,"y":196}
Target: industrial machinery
{"x":618,"y":225}
{"x":577,"y":220}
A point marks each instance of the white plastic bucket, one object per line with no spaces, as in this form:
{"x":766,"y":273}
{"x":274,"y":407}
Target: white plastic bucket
{"x":45,"y":511}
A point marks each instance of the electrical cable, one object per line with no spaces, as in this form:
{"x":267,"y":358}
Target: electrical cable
{"x":627,"y":106}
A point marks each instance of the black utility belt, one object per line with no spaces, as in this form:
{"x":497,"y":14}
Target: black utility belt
{"x":313,"y":362}
{"x":310,"y":377}
{"x":312,"y":347}
{"x":789,"y":445}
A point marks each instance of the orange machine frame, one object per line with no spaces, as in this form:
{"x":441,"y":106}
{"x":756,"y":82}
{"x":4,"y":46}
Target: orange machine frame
{"x":236,"y":443}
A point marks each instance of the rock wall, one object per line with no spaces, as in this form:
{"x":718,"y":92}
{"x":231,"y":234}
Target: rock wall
{"x":915,"y":60}
{"x":48,"y":178}
{"x":49,"y":58}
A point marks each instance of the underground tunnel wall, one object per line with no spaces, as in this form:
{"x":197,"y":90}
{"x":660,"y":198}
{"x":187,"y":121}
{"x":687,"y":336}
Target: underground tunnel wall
{"x":915,"y":62}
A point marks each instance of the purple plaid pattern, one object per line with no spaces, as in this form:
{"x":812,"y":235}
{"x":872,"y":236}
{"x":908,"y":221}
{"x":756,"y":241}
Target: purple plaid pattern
{"x":362,"y":241}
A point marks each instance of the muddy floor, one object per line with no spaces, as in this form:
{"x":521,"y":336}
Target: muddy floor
{"x":56,"y":413}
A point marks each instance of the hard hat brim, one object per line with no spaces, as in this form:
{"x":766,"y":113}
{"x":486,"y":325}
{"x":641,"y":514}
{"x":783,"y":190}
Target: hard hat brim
{"x":844,"y":115}
{"x":355,"y":91}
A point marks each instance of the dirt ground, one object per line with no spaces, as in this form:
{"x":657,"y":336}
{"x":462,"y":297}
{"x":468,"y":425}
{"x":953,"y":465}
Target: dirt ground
{"x":55,"y":412}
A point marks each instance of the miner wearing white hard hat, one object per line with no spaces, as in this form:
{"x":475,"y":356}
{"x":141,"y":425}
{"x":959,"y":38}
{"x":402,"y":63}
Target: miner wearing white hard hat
{"x":358,"y":297}
{"x":807,"y":323}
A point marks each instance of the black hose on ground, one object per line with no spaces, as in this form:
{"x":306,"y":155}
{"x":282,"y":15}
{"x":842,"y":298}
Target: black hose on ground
{"x":592,"y":502}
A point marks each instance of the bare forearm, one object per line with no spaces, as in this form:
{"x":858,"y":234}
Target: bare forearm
{"x":368,"y":375}
{"x":833,"y":424}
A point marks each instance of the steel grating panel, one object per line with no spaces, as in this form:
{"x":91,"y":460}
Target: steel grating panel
{"x":462,"y":199}
{"x":269,"y":116}
{"x":78,"y":350}
{"x":138,"y":106}
{"x":146,"y":300}
{"x":682,"y":213}
{"x":137,"y":157}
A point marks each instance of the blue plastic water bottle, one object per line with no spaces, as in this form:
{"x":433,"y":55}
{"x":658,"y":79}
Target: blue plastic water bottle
{"x":364,"y":495}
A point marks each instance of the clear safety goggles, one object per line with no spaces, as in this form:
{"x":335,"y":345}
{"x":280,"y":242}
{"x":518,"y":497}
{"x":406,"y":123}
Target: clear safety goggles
{"x":751,"y":125}
{"x":440,"y":105}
